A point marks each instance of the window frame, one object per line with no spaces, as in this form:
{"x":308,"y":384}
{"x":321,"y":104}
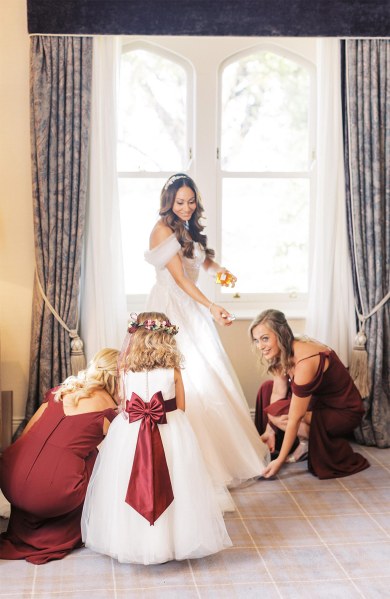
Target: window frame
{"x":149,"y":46}
{"x":249,"y":303}
{"x":136,"y":301}
{"x":203,"y":100}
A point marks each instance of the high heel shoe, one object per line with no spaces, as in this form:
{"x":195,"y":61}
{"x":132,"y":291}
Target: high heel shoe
{"x":300,"y":454}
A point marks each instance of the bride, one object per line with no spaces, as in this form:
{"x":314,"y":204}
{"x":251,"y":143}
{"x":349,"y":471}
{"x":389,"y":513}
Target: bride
{"x":215,"y":404}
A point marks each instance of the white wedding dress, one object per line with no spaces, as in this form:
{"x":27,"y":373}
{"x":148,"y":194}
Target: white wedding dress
{"x":215,"y":403}
{"x":192,"y":526}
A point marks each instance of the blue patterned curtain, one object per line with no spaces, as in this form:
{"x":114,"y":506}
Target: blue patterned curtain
{"x":367,"y":153}
{"x":202,"y":17}
{"x":60,"y":91}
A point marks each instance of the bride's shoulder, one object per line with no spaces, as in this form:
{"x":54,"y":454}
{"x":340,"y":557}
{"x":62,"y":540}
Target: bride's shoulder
{"x":159,"y":234}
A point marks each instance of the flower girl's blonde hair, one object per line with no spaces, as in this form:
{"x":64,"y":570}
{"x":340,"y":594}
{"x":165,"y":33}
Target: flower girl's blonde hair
{"x":152,"y":343}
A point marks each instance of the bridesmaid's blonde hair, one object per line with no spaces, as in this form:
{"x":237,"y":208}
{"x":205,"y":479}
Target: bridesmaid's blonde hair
{"x":101,"y":374}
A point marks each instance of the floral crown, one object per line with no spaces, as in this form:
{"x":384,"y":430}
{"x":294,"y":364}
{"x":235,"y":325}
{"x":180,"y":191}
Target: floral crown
{"x":152,"y":325}
{"x":173,"y":179}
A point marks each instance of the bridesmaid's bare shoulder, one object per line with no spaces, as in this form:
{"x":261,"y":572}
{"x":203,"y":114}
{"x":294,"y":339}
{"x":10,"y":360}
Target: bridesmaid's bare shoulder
{"x":304,"y":347}
{"x":160,"y":233}
{"x":104,"y":400}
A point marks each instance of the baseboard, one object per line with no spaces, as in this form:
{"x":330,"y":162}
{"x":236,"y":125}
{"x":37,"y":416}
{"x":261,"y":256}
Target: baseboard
{"x":15,"y":424}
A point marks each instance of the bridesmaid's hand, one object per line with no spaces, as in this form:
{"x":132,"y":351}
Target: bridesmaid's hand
{"x":269,"y":437}
{"x":272,"y":469}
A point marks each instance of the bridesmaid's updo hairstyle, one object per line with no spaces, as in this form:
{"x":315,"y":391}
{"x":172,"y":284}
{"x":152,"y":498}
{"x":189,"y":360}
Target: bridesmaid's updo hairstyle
{"x":277,"y":323}
{"x":169,"y":218}
{"x":101,"y":374}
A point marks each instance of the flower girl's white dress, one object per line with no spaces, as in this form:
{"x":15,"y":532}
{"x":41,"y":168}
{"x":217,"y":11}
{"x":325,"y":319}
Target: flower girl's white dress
{"x":215,"y":403}
{"x":191,"y":526}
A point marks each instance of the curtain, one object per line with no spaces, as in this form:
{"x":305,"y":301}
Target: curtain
{"x":295,"y":18}
{"x":367,"y":150}
{"x":103,"y":308}
{"x":330,"y":316}
{"x":60,"y":88}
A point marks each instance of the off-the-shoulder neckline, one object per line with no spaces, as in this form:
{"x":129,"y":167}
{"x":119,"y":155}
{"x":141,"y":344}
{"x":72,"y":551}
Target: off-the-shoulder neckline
{"x":164,"y":241}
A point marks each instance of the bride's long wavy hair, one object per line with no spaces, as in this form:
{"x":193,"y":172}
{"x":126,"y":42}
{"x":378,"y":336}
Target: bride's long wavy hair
{"x":169,"y":218}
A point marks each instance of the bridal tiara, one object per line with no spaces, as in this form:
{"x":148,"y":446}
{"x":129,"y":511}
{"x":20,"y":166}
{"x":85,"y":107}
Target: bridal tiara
{"x":173,"y":179}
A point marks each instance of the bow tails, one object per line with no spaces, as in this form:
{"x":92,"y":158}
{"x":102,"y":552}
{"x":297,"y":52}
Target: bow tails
{"x":150,"y":490}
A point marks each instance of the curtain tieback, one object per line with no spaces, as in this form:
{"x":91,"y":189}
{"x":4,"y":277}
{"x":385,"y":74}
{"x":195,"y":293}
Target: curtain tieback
{"x":77,"y":357}
{"x":359,"y":360}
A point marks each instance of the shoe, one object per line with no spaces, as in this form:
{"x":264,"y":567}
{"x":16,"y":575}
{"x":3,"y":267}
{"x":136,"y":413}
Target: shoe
{"x":300,"y":454}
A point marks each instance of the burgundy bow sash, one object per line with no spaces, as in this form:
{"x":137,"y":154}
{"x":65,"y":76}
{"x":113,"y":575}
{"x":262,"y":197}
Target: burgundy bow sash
{"x":149,"y":491}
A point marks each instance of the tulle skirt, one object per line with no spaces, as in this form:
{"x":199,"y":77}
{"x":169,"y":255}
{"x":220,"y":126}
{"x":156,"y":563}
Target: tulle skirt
{"x":191,"y":527}
{"x":215,"y":404}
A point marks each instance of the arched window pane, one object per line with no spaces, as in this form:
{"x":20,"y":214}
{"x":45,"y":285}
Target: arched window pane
{"x":268,"y":220}
{"x":152,"y":113}
{"x":265,"y":114}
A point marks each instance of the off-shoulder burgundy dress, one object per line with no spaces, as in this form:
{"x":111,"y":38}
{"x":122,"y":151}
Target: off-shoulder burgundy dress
{"x":337,"y":409}
{"x":44,"y":475}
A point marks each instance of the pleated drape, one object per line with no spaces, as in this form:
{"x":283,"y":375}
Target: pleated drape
{"x":60,"y":92}
{"x":367,"y":158}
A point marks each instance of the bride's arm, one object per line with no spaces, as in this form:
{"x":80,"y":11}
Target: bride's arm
{"x":175,"y":267}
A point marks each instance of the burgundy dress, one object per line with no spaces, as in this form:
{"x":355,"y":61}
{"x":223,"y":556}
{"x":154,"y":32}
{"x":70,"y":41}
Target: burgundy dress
{"x":44,"y":475}
{"x":337,"y":409}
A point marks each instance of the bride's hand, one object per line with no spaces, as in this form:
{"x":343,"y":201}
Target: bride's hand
{"x":222,"y":316}
{"x":231,"y":277}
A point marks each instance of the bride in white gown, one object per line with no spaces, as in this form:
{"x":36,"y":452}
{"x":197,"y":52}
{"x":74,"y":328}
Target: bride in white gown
{"x":215,"y":404}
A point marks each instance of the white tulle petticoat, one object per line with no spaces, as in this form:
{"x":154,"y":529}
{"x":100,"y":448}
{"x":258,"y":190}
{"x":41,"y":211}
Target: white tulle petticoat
{"x":191,"y":527}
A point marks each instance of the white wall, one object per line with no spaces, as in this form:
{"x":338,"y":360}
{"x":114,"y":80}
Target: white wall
{"x":16,"y":224}
{"x":16,"y":218}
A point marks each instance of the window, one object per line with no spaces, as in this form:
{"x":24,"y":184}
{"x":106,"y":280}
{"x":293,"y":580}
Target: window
{"x":251,"y":155}
{"x":266,"y":179}
{"x":153,"y":141}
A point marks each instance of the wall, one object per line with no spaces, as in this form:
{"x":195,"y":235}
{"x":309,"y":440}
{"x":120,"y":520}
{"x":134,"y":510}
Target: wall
{"x":16,"y":224}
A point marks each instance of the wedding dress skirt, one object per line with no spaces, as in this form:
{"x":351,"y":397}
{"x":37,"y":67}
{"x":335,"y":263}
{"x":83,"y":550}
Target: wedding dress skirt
{"x":215,"y":403}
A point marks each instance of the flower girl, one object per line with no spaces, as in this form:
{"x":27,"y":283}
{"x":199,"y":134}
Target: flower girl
{"x":150,"y":498}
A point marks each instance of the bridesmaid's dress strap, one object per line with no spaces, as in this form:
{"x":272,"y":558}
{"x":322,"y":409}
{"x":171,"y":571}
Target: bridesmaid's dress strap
{"x":323,"y":355}
{"x":50,"y":394}
{"x":307,"y":357}
{"x":110,"y":414}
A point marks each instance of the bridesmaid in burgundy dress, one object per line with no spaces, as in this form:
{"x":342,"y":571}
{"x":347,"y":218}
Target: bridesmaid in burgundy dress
{"x":312,"y":397}
{"x":45,"y":473}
